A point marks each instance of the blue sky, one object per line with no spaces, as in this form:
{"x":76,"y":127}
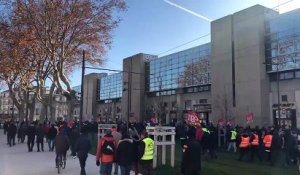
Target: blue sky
{"x":154,"y":26}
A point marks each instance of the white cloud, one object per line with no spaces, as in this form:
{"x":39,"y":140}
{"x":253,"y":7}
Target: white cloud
{"x":189,"y":11}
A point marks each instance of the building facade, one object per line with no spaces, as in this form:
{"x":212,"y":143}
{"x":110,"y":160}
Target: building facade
{"x":228,"y":79}
{"x":234,"y":78}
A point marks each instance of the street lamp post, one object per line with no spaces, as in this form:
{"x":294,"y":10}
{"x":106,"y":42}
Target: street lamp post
{"x":82,"y":86}
{"x":278,"y":95}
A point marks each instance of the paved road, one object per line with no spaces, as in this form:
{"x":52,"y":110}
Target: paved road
{"x":17,"y":160}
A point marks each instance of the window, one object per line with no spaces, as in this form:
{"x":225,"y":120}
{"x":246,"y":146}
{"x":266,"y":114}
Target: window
{"x":201,"y":101}
{"x":286,"y":75}
{"x":297,"y":74}
{"x":37,"y":111}
{"x":189,"y":90}
{"x":188,"y":104}
{"x":284,"y":98}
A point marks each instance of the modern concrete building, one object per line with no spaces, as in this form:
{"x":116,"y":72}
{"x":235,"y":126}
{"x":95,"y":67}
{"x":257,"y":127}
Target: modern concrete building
{"x":233,"y":76}
{"x":239,"y":80}
{"x":252,"y":52}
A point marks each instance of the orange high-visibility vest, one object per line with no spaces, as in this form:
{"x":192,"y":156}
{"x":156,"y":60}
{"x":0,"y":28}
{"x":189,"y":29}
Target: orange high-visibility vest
{"x":268,"y":141}
{"x":255,"y":142}
{"x":245,"y":142}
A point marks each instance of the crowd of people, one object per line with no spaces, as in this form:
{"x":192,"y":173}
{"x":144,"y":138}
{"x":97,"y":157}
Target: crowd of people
{"x":274,"y":145}
{"x":129,"y":147}
{"x":120,"y":146}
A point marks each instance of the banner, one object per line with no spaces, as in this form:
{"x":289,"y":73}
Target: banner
{"x":154,"y":119}
{"x":221,"y":121}
{"x":249,"y":117}
{"x":193,"y":118}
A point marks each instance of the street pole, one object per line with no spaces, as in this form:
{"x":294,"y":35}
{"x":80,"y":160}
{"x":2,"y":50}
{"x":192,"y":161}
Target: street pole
{"x":278,"y":95}
{"x":129,"y":93}
{"x":82,"y":85}
{"x":26,"y":112}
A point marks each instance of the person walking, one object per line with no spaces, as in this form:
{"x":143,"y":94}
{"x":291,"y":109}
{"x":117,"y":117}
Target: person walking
{"x":146,"y":152}
{"x":22,"y":131}
{"x":244,"y":145}
{"x":82,"y":149}
{"x":125,"y":154}
{"x":11,"y":134}
{"x":40,"y":134}
{"x":30,"y":136}
{"x":62,"y":145}
{"x":5,"y":127}
{"x":254,"y":149}
{"x":105,"y":152}
{"x":117,"y":137}
{"x":74,"y":135}
{"x":191,"y":157}
{"x":267,"y":141}
{"x":232,"y":140}
{"x":51,"y":136}
{"x":206,"y":142}
{"x":136,"y":142}
{"x":276,"y":146}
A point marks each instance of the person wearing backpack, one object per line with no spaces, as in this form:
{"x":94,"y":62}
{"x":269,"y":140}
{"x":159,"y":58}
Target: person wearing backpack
{"x":105,"y":153}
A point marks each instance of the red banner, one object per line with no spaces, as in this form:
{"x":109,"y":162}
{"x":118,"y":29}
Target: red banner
{"x":193,"y":118}
{"x":221,"y":121}
{"x":249,"y":117}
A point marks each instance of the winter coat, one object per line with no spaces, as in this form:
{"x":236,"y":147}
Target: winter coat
{"x":12,"y":130}
{"x":125,"y":152}
{"x":83,"y":146}
{"x":191,"y":157}
{"x":31,"y":131}
{"x":104,"y":157}
{"x":51,"y":133}
{"x":74,"y":135}
{"x":40,"y":134}
{"x":117,"y":137}
{"x":61,"y":144}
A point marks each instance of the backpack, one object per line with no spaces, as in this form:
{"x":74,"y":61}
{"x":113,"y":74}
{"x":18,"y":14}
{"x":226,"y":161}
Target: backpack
{"x":108,"y":147}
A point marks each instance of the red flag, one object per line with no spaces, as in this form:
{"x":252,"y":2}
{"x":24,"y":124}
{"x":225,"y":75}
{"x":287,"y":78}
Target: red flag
{"x":249,"y":117}
{"x":193,"y":118}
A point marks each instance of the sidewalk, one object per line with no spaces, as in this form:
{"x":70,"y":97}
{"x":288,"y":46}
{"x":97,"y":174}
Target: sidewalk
{"x":16,"y":160}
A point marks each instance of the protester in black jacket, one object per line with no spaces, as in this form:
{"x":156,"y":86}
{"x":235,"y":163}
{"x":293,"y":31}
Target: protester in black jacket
{"x":51,"y":136}
{"x":82,"y":148}
{"x":40,"y":134}
{"x":30,"y":136}
{"x":5,"y":127}
{"x":61,"y":145}
{"x":11,"y":134}
{"x":74,"y":135}
{"x":191,"y":158}
{"x":125,"y":154}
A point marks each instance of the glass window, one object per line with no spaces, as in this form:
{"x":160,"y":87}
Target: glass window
{"x":297,"y":74}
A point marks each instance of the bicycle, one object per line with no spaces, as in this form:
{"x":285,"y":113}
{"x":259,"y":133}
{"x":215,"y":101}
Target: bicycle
{"x":61,"y":163}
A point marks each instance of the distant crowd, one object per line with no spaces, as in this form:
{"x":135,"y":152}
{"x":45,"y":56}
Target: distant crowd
{"x":131,"y":148}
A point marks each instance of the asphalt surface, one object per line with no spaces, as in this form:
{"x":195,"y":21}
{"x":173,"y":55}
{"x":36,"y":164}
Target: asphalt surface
{"x":16,"y":160}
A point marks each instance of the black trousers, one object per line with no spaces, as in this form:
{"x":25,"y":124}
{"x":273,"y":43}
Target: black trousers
{"x":40,"y":144}
{"x":255,"y":152}
{"x":30,"y":143}
{"x":146,"y":167}
{"x":63,"y":156}
{"x":243,"y":152}
{"x":82,"y":160}
{"x":73,"y":147}
{"x":11,"y":140}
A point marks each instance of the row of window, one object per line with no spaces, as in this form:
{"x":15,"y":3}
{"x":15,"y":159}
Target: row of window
{"x":285,"y":75}
{"x":111,"y":86}
{"x":188,"y":70}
